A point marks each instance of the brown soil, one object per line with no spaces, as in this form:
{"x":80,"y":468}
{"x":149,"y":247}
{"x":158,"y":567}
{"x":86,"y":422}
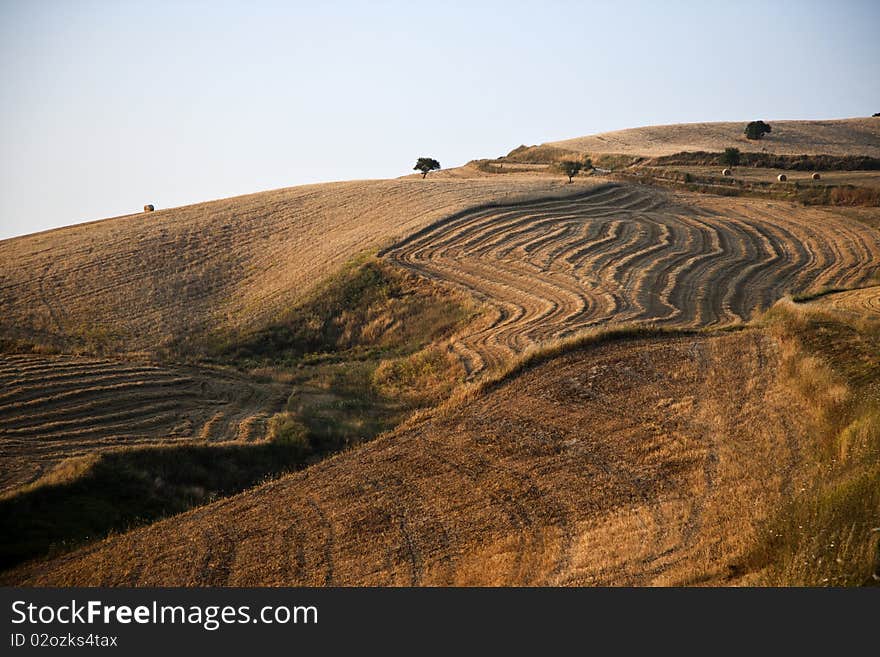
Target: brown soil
{"x":634,"y":462}
{"x":626,"y":253}
{"x":54,"y":408}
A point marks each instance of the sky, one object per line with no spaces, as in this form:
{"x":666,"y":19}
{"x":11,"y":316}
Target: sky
{"x":108,"y":106}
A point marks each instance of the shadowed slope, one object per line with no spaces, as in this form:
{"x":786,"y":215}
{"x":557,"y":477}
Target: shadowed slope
{"x":633,"y":462}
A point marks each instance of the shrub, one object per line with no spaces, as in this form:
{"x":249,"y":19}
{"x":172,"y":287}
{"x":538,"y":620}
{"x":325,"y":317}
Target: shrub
{"x":286,"y":429}
{"x":731,"y":156}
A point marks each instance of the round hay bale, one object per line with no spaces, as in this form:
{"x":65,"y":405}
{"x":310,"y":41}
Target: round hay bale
{"x":816,"y":176}
{"x":727,"y":172}
{"x":781,"y":177}
{"x":148,"y":208}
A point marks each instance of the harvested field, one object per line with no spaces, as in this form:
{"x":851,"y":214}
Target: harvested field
{"x":633,"y":460}
{"x":176,"y":277}
{"x":858,"y":136}
{"x":519,"y":485}
{"x":869,"y":179}
{"x":627,"y":253}
{"x":861,"y":303}
{"x":54,"y":408}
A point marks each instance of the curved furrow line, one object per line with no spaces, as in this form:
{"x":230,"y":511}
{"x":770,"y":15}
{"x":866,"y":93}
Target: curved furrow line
{"x":758,"y":255}
{"x":759,"y":284}
{"x":821,"y":257}
{"x":91,"y":392}
{"x":829,"y":261}
{"x":93,"y":408}
{"x":123,"y":429}
{"x":625,"y":253}
{"x":864,"y":302}
{"x":564,"y":304}
{"x":702,"y":247}
{"x":703,"y":274}
{"x":62,"y":375}
{"x":39,"y":427}
{"x":653,"y":280}
{"x":23,"y":393}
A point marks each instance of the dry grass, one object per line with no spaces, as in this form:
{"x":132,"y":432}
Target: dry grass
{"x":520,"y":485}
{"x":860,"y":136}
{"x":56,"y":408}
{"x":869,"y":179}
{"x":353,"y":361}
{"x":825,"y":534}
{"x":622,"y":254}
{"x":173,"y":277}
{"x":603,"y":438}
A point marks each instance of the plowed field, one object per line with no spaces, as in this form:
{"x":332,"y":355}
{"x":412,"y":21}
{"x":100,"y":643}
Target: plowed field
{"x":625,"y":253}
{"x":54,"y":408}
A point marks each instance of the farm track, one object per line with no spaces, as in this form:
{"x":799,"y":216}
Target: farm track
{"x":628,"y":254}
{"x":54,"y":408}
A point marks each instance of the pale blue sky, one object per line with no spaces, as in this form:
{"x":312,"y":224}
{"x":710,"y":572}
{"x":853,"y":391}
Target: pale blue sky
{"x":107,"y":106}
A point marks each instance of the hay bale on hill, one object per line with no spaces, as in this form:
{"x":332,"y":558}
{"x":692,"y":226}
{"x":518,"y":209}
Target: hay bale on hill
{"x":815,"y":176}
{"x":727,"y":172}
{"x":781,"y":177}
{"x":148,"y":208}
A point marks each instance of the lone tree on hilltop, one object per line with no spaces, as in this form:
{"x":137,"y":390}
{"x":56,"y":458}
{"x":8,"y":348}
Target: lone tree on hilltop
{"x":570,"y":168}
{"x":730,"y":156}
{"x":426,"y":164}
{"x":757,"y":129}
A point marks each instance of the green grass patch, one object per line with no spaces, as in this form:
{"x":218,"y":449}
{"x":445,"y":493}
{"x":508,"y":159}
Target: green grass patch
{"x":367,"y":309}
{"x":825,"y":534}
{"x":359,"y":356}
{"x":810,"y":296}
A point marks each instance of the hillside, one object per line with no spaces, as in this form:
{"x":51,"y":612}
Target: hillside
{"x":604,"y":382}
{"x":54,"y":408}
{"x":519,"y":485}
{"x":628,"y":253}
{"x":858,"y":136}
{"x":176,"y":277}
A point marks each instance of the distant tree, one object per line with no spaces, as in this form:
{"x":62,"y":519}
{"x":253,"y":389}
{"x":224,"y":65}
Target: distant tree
{"x":757,"y":129}
{"x":730,"y":156}
{"x":877,"y":114}
{"x":570,"y":168}
{"x":426,"y":164}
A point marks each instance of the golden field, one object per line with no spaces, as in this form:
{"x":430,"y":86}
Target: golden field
{"x":602,"y":382}
{"x":858,"y":136}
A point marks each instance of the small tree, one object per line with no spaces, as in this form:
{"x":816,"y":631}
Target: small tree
{"x":757,"y":129}
{"x":426,"y":164}
{"x":730,"y":157}
{"x":570,"y":168}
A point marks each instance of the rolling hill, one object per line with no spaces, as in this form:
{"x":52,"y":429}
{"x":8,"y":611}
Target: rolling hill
{"x":520,"y":485}
{"x":858,"y":136}
{"x":639,"y":404}
{"x":625,"y":253}
{"x":153,"y":281}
